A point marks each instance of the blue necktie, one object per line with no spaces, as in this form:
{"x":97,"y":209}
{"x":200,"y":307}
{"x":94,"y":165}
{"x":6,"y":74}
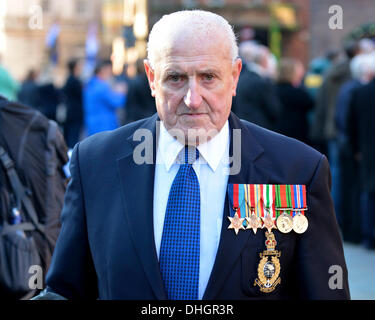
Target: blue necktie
{"x":179,"y":250}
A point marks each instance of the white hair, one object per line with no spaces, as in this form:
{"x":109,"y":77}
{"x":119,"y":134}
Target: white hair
{"x":191,"y":22}
{"x":249,"y":51}
{"x":366,"y":45}
{"x":362,"y":65}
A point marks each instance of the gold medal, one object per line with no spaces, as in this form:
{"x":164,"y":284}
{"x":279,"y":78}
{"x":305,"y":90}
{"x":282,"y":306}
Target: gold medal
{"x":300,"y":223}
{"x":236,"y":223}
{"x":253,"y":222}
{"x":284,"y":223}
{"x":269,"y":266}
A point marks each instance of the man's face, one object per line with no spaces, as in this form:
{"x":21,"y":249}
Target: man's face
{"x":193,"y":84}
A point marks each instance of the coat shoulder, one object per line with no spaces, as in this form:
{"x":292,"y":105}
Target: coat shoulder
{"x":114,"y":143}
{"x":277,"y":140}
{"x":287,"y":156}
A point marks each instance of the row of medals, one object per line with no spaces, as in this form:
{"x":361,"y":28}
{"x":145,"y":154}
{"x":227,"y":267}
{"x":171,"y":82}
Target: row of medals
{"x":284,"y":223}
{"x":269,"y":264}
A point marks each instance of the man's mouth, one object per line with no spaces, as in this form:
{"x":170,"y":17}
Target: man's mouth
{"x":194,"y":114}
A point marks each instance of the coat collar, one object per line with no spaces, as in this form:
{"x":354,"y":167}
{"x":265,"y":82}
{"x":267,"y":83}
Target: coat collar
{"x":139,"y":214}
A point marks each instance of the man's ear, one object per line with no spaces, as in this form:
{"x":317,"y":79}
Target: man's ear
{"x":236,"y":70}
{"x":150,"y":76}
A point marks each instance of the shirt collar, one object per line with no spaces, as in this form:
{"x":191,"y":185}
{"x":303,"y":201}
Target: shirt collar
{"x":211,"y":151}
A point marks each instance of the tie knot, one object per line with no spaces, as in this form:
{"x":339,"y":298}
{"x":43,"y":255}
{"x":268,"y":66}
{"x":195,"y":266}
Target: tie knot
{"x":188,"y":155}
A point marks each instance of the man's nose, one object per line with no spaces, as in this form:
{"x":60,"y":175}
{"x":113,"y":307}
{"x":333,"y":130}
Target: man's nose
{"x":193,"y":98}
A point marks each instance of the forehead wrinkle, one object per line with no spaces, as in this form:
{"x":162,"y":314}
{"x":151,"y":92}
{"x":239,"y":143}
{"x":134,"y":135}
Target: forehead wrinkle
{"x":181,"y":61}
{"x":172,"y":53}
{"x":186,"y":40}
{"x":181,"y":71}
{"x":192,"y":70}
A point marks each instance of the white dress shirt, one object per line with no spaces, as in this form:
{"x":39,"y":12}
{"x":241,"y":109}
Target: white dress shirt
{"x":212,"y":171}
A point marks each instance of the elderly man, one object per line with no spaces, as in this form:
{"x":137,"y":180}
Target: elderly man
{"x":139,"y":224}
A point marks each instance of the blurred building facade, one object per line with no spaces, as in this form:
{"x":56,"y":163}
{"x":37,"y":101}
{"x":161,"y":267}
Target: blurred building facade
{"x":358,"y":22}
{"x":294,"y":28}
{"x":25,"y":24}
{"x":254,"y":19}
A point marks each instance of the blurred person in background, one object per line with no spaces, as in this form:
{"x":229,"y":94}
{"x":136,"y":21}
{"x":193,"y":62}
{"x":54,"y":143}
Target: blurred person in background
{"x":8,"y":86}
{"x":101,"y":100}
{"x":139,"y":102}
{"x":361,"y":135}
{"x":49,"y":95}
{"x":317,"y":69}
{"x":324,"y":128}
{"x":313,"y":81}
{"x":295,"y":101}
{"x":366,"y":45}
{"x":73,"y":99}
{"x":268,"y":63}
{"x":122,"y":80}
{"x":360,"y":67}
{"x":28,"y":93}
{"x":323,"y":131}
{"x":256,"y":100}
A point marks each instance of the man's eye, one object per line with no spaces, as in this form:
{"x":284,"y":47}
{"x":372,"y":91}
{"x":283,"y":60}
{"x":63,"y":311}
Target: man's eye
{"x":209,"y":77}
{"x":174,"y":78}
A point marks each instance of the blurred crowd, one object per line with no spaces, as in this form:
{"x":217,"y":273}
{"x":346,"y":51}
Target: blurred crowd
{"x":83,"y":105}
{"x":329,"y":105}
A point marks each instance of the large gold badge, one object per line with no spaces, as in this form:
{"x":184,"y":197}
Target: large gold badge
{"x":269,"y":266}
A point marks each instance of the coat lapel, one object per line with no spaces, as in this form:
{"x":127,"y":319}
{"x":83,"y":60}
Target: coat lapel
{"x":137,"y":186}
{"x":231,"y":245}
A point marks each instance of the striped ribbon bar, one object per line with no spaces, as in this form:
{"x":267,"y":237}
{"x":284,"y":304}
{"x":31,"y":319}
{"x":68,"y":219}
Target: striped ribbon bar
{"x":268,"y":199}
{"x":253,"y":196}
{"x":298,"y":197}
{"x":237,"y":199}
{"x":283,"y":199}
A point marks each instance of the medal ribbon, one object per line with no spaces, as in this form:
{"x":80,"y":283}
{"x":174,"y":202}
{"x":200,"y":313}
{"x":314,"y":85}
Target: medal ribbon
{"x":247,"y":199}
{"x":237,"y":198}
{"x":253,"y":203}
{"x":278,"y":199}
{"x":241,"y":200}
{"x":250,"y":199}
{"x":268,"y":198}
{"x":258,"y":191}
{"x":286,"y":198}
{"x":283,"y":198}
{"x":233,"y":194}
{"x":298,"y":195}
